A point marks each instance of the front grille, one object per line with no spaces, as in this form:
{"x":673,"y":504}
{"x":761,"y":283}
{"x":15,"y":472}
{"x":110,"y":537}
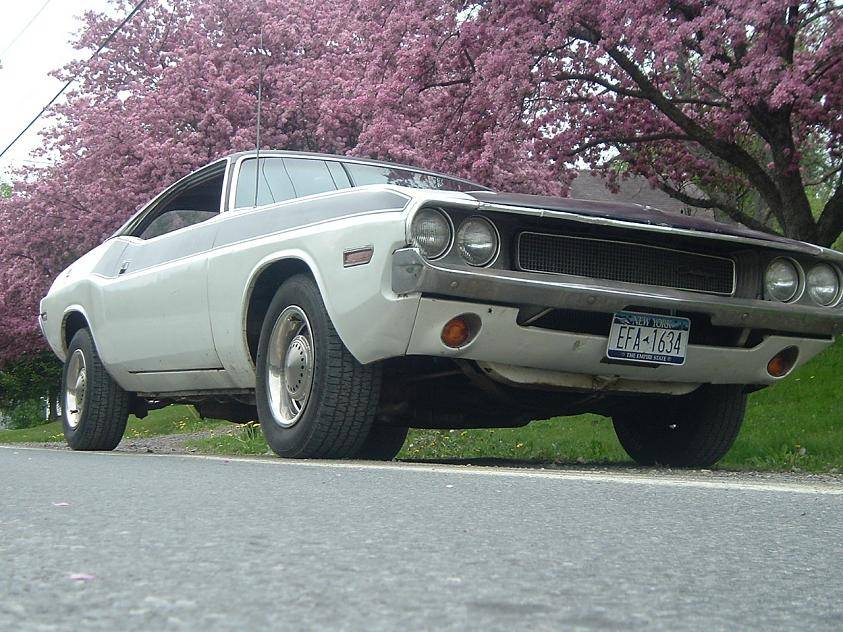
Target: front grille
{"x":627,"y":262}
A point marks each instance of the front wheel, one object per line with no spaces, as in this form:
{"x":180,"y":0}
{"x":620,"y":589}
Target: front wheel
{"x":94,"y":408}
{"x":694,"y":430}
{"x":315,"y":400}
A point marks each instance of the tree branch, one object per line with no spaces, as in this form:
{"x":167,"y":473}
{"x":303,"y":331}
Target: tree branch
{"x":635,"y":94}
{"x":628,"y":140}
{"x":590,"y":78}
{"x":824,"y":177}
{"x":698,"y":101}
{"x":830,"y":9}
{"x":39,"y":264}
{"x":445,"y":84}
{"x":726,"y":151}
{"x":709,"y":203}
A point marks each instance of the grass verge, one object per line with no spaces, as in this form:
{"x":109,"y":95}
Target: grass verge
{"x":796,"y":424}
{"x":170,"y":420}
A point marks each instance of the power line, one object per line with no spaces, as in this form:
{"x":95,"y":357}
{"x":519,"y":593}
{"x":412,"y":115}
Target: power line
{"x":105,"y":43}
{"x":24,"y":29}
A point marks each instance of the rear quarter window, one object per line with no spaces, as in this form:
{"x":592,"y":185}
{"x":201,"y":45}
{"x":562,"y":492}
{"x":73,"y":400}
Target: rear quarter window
{"x":309,"y":176}
{"x":272,"y":185}
{"x":374,"y":174}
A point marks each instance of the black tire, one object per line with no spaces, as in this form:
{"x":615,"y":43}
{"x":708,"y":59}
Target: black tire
{"x":694,"y":430}
{"x":383,"y":443}
{"x":100,"y":422}
{"x":335,"y":420}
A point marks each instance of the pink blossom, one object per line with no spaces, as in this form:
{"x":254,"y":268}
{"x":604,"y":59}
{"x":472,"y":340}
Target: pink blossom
{"x":512,"y":93}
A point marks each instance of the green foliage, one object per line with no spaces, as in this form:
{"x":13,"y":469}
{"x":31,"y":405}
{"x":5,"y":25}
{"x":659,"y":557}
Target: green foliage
{"x":31,"y":377}
{"x":798,"y":423}
{"x":5,"y":190}
{"x":795,"y":425}
{"x":43,"y":433}
{"x":237,"y":440}
{"x":568,"y":440}
{"x":169,"y":420}
{"x":26,"y":415}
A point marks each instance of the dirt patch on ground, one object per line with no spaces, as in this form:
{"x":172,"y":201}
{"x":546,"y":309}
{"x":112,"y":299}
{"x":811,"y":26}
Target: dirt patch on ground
{"x":160,"y":444}
{"x":168,"y":444}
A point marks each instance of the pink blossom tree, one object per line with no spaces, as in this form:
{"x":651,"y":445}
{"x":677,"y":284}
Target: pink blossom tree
{"x":175,"y":89}
{"x":740,"y":98}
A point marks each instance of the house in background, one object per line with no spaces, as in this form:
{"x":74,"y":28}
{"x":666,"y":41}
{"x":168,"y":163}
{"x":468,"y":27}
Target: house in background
{"x":634,"y":189}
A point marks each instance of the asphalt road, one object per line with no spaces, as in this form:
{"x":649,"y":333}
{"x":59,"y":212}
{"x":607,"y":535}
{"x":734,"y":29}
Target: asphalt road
{"x":125,"y":541}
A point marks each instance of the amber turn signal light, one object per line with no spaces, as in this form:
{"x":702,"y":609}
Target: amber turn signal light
{"x":456,"y":332}
{"x":781,"y":363}
{"x":357,"y":256}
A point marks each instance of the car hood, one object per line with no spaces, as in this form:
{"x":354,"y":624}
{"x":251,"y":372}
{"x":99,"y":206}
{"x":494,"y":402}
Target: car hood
{"x":639,"y":214}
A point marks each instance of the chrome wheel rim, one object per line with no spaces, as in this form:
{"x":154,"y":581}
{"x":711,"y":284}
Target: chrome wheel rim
{"x":75,"y":385}
{"x":290,"y":363}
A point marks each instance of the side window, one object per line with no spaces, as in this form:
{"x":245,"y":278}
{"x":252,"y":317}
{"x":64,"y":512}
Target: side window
{"x":189,"y":205}
{"x":371,"y":174}
{"x":273,"y":183}
{"x":338,"y":174}
{"x":368,"y":174}
{"x":309,"y":176}
{"x":169,"y":221}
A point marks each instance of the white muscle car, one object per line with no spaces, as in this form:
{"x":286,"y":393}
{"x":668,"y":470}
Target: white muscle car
{"x":342,"y":301}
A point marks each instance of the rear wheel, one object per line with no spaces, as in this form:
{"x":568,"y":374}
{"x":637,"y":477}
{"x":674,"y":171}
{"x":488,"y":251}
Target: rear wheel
{"x":315,"y":400}
{"x":95,"y":408}
{"x":694,"y":430}
{"x":383,"y":443}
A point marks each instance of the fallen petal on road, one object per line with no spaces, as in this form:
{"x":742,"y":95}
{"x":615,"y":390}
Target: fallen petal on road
{"x":82,"y":577}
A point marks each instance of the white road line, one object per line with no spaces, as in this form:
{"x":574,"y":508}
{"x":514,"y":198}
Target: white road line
{"x":657,"y":480}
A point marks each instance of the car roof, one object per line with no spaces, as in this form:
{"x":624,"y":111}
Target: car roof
{"x":351,"y":159}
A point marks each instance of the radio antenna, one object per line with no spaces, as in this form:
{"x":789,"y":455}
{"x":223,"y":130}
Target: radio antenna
{"x":258,"y":134}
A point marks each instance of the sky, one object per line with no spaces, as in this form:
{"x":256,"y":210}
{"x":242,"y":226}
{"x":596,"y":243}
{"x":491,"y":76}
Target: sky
{"x":25,"y":85}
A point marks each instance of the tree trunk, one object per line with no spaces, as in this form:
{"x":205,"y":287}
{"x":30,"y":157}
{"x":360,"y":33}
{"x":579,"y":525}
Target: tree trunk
{"x":54,"y":413}
{"x":800,"y":223}
{"x":830,"y":226}
{"x":796,"y":216}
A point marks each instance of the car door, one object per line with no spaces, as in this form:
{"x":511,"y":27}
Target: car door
{"x":156,"y":307}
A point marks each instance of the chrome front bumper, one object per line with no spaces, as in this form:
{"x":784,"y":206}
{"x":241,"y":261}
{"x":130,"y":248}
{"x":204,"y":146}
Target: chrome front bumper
{"x":531,"y":356}
{"x":411,"y":273}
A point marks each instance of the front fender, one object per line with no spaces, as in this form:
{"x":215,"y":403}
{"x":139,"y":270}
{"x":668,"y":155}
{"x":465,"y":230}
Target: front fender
{"x":372,"y":321}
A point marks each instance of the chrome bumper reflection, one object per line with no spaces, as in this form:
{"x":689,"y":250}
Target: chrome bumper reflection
{"x":411,"y":273}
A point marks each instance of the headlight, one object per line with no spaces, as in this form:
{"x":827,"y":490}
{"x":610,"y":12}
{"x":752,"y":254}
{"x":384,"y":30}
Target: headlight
{"x":430,"y":232}
{"x":477,"y":241}
{"x":823,"y":284}
{"x":782,"y":280}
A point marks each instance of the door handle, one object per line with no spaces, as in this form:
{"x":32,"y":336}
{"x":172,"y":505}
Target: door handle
{"x":123,"y":267}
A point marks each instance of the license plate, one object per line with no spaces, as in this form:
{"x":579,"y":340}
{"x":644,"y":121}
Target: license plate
{"x":648,"y":338}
